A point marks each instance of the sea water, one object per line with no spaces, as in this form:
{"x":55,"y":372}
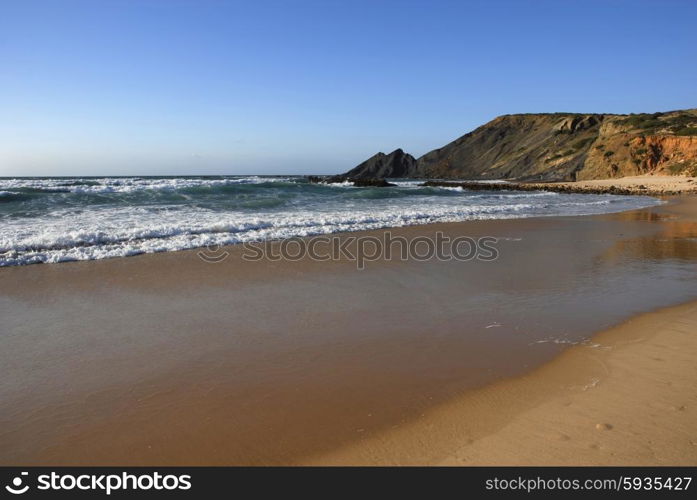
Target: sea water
{"x":48,"y":220}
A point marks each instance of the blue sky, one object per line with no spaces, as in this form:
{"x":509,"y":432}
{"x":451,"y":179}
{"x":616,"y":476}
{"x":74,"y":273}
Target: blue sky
{"x":223,"y":87}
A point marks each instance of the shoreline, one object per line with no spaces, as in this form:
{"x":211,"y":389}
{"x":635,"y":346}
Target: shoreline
{"x":646,"y":185}
{"x":624,"y":399}
{"x":177,"y":341}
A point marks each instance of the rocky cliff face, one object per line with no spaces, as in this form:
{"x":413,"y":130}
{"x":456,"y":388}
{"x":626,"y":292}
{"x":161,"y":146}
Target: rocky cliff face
{"x":558,"y":146}
{"x":625,"y":154}
{"x":517,"y":146}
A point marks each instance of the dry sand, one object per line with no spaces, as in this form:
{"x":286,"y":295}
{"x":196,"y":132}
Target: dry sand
{"x":654,"y":183}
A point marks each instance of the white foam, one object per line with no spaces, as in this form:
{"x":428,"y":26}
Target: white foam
{"x":85,"y":232}
{"x":107,"y":185}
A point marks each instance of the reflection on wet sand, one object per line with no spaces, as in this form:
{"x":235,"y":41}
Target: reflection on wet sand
{"x":164,"y":359}
{"x":675,"y":238}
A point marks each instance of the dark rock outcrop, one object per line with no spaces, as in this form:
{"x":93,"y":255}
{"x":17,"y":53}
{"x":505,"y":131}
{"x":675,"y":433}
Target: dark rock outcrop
{"x":380,"y":166}
{"x":555,"y":188}
{"x":338,"y":179}
{"x":372,"y":183}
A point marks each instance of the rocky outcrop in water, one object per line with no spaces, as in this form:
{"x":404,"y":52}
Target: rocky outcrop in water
{"x":340,"y":179}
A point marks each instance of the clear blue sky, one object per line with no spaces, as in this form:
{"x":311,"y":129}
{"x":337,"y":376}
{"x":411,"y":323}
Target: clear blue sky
{"x":170,"y":87}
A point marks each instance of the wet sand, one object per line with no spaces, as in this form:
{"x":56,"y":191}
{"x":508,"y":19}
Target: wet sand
{"x":167,"y":359}
{"x":626,"y":398}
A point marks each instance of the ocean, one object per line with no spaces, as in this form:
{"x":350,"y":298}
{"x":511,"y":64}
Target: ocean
{"x":50,"y":220}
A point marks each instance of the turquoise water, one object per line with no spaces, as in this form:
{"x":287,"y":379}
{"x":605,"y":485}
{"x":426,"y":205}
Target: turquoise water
{"x":81,"y":218}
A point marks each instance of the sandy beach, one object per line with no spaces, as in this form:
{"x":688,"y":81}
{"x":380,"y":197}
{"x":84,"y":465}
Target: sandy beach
{"x":549,"y":355}
{"x":278,"y":237}
{"x":626,"y":398}
{"x":641,"y":183}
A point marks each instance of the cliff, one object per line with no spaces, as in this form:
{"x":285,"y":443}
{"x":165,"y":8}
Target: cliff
{"x":555,"y":146}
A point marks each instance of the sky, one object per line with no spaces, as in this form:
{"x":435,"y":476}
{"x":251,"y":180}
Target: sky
{"x":277,"y":87}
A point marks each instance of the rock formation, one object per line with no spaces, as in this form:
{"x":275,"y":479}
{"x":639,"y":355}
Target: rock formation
{"x":396,"y":164}
{"x":555,"y":146}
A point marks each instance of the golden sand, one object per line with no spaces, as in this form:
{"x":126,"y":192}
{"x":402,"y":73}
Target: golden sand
{"x":626,"y":398}
{"x":654,"y":183}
